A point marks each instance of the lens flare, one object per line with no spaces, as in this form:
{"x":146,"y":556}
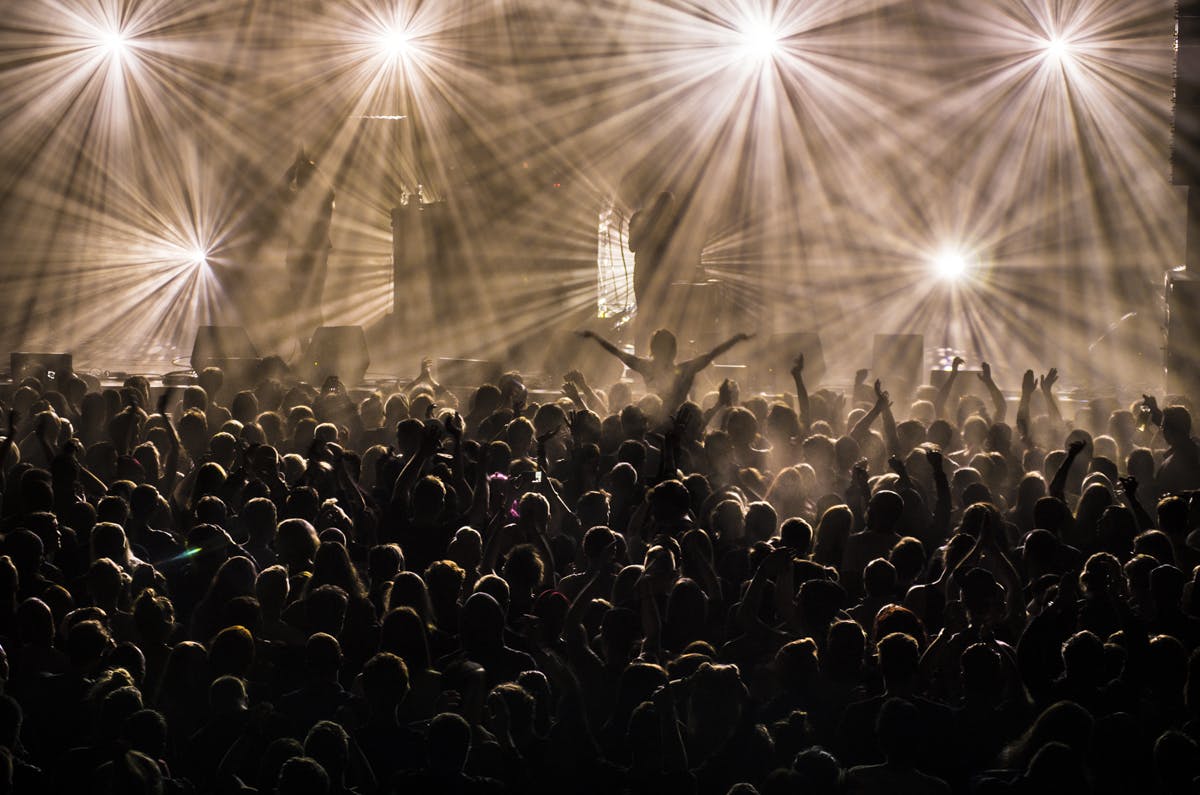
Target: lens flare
{"x":951,"y":265}
{"x":1058,"y":49}
{"x":759,"y":41}
{"x":113,"y":43}
{"x":396,"y":43}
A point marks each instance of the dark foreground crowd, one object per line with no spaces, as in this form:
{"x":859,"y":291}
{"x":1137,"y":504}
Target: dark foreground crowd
{"x":314,"y":591}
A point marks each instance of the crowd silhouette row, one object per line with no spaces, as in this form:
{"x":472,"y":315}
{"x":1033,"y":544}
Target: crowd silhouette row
{"x":315,"y":591}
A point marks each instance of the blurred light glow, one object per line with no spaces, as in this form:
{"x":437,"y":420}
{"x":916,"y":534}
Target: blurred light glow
{"x":198,"y":257}
{"x":759,"y":40}
{"x":1057,"y":49}
{"x":951,"y":265}
{"x":113,"y":43}
{"x":396,"y":43}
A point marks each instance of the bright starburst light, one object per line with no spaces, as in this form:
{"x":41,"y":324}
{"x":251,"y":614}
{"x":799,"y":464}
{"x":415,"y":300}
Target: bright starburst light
{"x":396,"y":43}
{"x":951,"y":265}
{"x":114,"y":43}
{"x":824,"y":151}
{"x":1058,"y":49}
{"x":759,"y":40}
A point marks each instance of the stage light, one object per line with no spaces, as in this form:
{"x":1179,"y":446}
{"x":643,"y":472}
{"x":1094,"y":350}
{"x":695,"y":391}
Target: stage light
{"x":396,"y":43}
{"x":1057,"y":49}
{"x":951,"y":265}
{"x":759,"y":41}
{"x":198,"y":257}
{"x":113,"y":43}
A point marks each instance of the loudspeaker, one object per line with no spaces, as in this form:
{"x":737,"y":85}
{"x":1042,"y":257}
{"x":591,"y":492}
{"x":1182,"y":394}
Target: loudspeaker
{"x":1183,"y":333}
{"x":897,"y":360}
{"x":230,"y":348}
{"x":779,"y":354}
{"x":52,"y":369}
{"x":217,"y":344}
{"x":337,"y":350}
{"x":1185,"y":127}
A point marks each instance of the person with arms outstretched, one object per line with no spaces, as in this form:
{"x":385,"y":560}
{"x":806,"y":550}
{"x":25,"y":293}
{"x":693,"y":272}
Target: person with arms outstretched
{"x":670,"y":380}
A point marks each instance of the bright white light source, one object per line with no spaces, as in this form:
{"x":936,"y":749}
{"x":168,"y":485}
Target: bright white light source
{"x":198,"y":257}
{"x":114,"y":43}
{"x":759,"y":41}
{"x":951,"y":265}
{"x":396,"y":43}
{"x":1057,"y":49}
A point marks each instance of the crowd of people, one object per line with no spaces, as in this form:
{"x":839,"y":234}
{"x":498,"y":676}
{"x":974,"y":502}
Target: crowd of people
{"x":314,"y":591}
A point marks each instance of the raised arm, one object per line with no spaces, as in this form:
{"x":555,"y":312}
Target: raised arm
{"x":728,"y":395}
{"x":430,"y":440}
{"x":704,"y":361}
{"x":1024,"y":428}
{"x":889,"y":430}
{"x":943,"y":393}
{"x":1128,"y":487}
{"x":171,"y":465}
{"x":628,"y":359}
{"x":942,"y":507}
{"x":802,"y":403}
{"x":1058,"y":486}
{"x":882,"y":401}
{"x":998,"y":402}
{"x":1047,"y":383}
{"x":587,"y":395}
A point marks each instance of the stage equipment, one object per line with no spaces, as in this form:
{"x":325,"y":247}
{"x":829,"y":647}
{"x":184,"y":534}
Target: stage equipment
{"x":230,"y":348}
{"x":52,"y":369}
{"x":337,"y":350}
{"x":1182,"y":360}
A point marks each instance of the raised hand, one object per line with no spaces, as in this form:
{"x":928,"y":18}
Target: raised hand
{"x":798,"y":366}
{"x":882,"y":398}
{"x":1076,"y":447}
{"x":898,"y":466}
{"x":455,"y":426}
{"x":935,"y":458}
{"x":726,"y":394}
{"x":572,"y":391}
{"x":957,"y":363}
{"x":1029,"y":383}
{"x":575,"y":377}
{"x":985,"y":372}
{"x":1049,"y":379}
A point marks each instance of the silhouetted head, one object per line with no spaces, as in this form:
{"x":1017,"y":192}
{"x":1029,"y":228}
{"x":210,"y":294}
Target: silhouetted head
{"x":663,"y":346}
{"x":449,"y":743}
